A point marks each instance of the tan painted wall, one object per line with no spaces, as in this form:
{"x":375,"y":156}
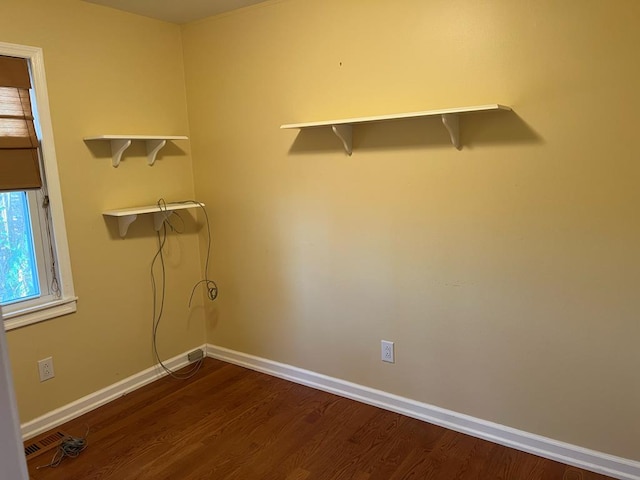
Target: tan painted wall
{"x":506,"y":273}
{"x":107,"y":72}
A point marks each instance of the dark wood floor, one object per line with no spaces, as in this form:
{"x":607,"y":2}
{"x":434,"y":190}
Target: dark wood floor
{"x":229,"y":423}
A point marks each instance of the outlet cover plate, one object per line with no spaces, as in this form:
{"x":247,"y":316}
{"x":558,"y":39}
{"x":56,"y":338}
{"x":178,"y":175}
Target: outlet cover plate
{"x":45,"y":367}
{"x":387,"y":351}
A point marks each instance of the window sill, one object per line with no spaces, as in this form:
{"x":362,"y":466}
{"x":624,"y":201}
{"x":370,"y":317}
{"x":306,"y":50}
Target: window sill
{"x":39,"y":313}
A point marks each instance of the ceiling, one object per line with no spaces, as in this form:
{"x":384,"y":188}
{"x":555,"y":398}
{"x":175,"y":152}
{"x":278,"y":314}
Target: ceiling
{"x":176,"y":11}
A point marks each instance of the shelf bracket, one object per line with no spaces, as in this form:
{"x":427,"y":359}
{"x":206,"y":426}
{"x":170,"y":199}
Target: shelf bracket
{"x":159,"y":218}
{"x":153,"y":147}
{"x":118,"y":146}
{"x":452,"y":124}
{"x":345,"y":134}
{"x":124,"y":222}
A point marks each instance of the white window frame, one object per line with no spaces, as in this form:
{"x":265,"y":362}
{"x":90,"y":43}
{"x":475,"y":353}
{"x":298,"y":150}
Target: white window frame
{"x":17,"y":315}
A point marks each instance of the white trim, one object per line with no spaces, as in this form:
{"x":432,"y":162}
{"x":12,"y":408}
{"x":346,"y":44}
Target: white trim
{"x":101,"y":397}
{"x":52,"y":175}
{"x":592,"y":460}
{"x":59,"y":233}
{"x":39,"y":313}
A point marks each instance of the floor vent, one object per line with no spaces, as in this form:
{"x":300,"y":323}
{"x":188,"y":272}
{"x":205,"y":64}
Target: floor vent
{"x":43,"y":444}
{"x":31,"y":449}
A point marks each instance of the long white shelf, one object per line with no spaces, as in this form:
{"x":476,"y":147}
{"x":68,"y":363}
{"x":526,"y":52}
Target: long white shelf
{"x":119,"y":143}
{"x":126,"y":216}
{"x":343,"y":128}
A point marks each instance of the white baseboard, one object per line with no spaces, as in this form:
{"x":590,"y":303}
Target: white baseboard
{"x":94,"y":400}
{"x":576,"y":456}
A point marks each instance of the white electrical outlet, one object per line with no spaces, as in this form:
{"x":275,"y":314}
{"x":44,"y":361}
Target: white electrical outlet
{"x":45,"y":367}
{"x":388,"y":354}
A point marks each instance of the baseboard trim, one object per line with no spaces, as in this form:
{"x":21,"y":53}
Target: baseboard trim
{"x":94,"y":400}
{"x":569,"y":454}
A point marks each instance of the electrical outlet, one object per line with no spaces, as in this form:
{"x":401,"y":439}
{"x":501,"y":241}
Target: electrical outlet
{"x":45,"y":367}
{"x":388,"y":354}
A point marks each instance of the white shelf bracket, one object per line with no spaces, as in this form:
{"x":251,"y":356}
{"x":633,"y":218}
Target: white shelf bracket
{"x":452,"y":124}
{"x":345,"y":134}
{"x":153,"y":147}
{"x":124,"y":222}
{"x":159,"y":218}
{"x":118,"y":146}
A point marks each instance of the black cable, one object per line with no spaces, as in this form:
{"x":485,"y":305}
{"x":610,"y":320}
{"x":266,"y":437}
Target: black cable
{"x":212,"y":288}
{"x":46,"y":206}
{"x":69,"y":447}
{"x":162,"y":205}
{"x":156,"y":319}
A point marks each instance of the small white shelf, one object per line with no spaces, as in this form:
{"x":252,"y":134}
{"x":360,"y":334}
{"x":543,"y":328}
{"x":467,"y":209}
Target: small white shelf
{"x":343,"y":128}
{"x":126,"y":216}
{"x":119,"y":143}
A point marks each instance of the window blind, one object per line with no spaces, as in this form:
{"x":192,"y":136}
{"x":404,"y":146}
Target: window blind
{"x":19,"y":162}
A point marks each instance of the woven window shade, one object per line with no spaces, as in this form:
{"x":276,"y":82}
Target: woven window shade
{"x":19,"y":163}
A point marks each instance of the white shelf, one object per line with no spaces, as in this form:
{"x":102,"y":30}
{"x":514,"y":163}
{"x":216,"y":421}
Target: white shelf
{"x":119,"y":143}
{"x":126,"y":216}
{"x":343,"y":127}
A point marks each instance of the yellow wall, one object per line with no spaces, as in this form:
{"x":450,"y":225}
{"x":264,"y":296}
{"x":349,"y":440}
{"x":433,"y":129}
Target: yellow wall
{"x":506,"y":273}
{"x":108,"y":72}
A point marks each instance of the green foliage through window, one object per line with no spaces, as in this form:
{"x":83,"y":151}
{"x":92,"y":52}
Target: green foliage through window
{"x":18,"y":267}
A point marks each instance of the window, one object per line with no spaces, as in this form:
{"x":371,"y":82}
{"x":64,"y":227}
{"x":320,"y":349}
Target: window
{"x":27,"y":270}
{"x":18,"y":265}
{"x":35,"y":273}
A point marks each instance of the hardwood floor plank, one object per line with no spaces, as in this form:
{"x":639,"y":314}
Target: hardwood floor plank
{"x":412,"y":434}
{"x":234,"y":449}
{"x":573,"y":473}
{"x":298,"y":474}
{"x":230,"y":423}
{"x":364,"y":446}
{"x":291,"y":438}
{"x":321,"y":428}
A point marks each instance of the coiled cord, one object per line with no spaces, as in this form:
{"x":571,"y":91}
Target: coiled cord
{"x":69,"y":447}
